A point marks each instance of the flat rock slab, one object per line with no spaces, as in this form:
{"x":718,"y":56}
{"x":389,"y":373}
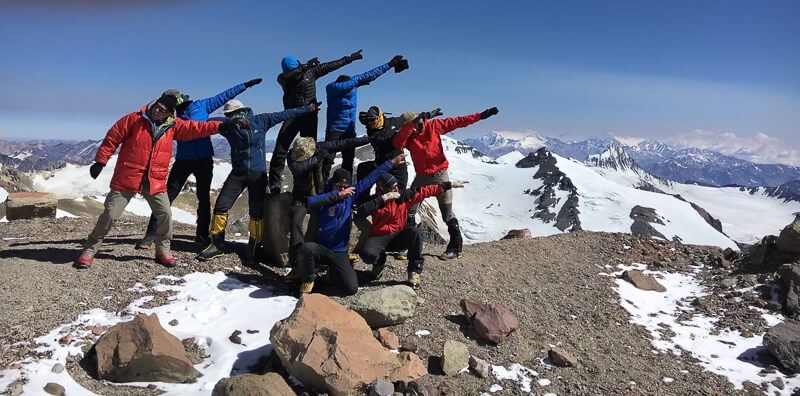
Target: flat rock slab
{"x":30,"y":205}
{"x":269,"y":384}
{"x":642,"y":281}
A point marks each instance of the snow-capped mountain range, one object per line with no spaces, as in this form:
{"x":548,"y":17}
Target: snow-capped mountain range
{"x":657,"y":158}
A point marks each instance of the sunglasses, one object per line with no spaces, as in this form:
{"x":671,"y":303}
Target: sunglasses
{"x":160,"y":109}
{"x":340,"y":186}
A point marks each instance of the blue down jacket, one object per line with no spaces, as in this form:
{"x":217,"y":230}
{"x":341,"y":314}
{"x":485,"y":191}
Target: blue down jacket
{"x":199,"y":110}
{"x":342,"y":100}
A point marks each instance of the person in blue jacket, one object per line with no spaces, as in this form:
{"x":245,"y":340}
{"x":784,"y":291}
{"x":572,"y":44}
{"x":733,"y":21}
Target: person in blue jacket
{"x":342,"y":105}
{"x":194,"y":157}
{"x":333,"y":235}
{"x":248,"y":159}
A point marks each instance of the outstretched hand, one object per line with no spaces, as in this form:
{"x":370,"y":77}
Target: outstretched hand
{"x":395,"y":60}
{"x":390,"y":196}
{"x":458,"y":183}
{"x":356,"y":55}
{"x":488,"y":113}
{"x":315,"y":106}
{"x":347,"y":192}
{"x":399,"y":160}
{"x":95,"y":169}
{"x":253,"y":82}
{"x":431,"y":114}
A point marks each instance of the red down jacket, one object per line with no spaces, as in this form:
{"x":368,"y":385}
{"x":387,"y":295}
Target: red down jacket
{"x":134,"y":133}
{"x":393,"y":216}
{"x":426,"y":147}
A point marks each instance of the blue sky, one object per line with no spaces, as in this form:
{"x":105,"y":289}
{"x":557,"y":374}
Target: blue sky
{"x":709,"y":73}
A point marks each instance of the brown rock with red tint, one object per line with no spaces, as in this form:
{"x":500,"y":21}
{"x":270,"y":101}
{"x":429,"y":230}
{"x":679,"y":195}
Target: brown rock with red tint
{"x":494,"y":323}
{"x":562,"y":358}
{"x":388,"y":339}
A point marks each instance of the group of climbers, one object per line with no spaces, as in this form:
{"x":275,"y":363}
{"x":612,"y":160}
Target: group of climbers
{"x":145,"y":142}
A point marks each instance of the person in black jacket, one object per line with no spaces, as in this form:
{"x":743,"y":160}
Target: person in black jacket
{"x":306,"y":162}
{"x":299,"y":83}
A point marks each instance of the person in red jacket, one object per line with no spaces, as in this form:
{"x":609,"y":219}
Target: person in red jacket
{"x":421,"y":137}
{"x":389,"y":209}
{"x":145,"y":140}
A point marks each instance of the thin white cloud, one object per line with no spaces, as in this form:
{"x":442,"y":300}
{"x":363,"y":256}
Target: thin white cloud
{"x":628,"y":140}
{"x":760,"y":148}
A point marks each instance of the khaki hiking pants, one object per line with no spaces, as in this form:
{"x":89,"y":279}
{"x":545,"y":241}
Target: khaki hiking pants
{"x":116,"y":201}
{"x":445,"y":199}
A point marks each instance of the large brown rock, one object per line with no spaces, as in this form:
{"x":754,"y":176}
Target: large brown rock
{"x":141,"y":350}
{"x":523,"y":233}
{"x":269,"y":384}
{"x":494,"y":323}
{"x":332,"y":349}
{"x":789,"y":239}
{"x":642,"y":281}
{"x":30,"y":205}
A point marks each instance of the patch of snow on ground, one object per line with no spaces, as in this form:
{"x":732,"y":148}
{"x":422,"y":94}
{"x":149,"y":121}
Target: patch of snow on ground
{"x":208,"y":307}
{"x":421,"y":333}
{"x":63,"y":213}
{"x":517,"y":373}
{"x":734,"y":355}
{"x":3,"y":194}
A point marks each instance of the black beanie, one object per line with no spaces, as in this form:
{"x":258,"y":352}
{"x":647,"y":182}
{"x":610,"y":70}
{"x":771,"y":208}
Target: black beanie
{"x":386,"y":180}
{"x":341,"y":176}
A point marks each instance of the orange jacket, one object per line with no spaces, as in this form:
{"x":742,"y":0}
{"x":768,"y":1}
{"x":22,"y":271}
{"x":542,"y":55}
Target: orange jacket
{"x":140,"y":150}
{"x":426,"y":147}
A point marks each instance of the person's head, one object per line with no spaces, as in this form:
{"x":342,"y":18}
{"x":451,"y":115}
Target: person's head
{"x":303,"y":148}
{"x":340,"y":179}
{"x":372,"y":118}
{"x":289,"y":63}
{"x":235,"y":109}
{"x":343,"y":78}
{"x":164,"y":106}
{"x":386,"y":183}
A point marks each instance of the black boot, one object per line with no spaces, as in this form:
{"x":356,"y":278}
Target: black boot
{"x":214,"y":249}
{"x":453,"y":250}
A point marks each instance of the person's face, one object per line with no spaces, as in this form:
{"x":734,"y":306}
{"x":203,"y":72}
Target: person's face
{"x":392,"y":188}
{"x":340,"y":186}
{"x":159,"y":112}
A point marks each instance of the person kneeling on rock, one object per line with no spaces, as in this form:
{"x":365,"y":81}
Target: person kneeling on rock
{"x":333,"y":234}
{"x":390,"y":231}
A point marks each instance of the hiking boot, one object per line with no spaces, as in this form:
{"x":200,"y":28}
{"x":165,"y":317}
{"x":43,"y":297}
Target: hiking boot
{"x":450,"y":254}
{"x":214,"y":249}
{"x":306,"y":287}
{"x":145,"y":243}
{"x":202,"y":240}
{"x":84,"y":261}
{"x":293,"y":275}
{"x":401,"y":255}
{"x":275,"y":188}
{"x":354,"y":259}
{"x":413,"y":280}
{"x":378,"y":267}
{"x":166,"y":259}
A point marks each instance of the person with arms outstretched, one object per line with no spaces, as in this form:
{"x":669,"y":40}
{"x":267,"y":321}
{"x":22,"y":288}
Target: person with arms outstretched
{"x":299,"y":83}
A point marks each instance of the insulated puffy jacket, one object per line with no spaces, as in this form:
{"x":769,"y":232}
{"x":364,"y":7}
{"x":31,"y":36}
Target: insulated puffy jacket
{"x":199,"y":110}
{"x":342,"y":100}
{"x":381,"y":139}
{"x":426,"y":147}
{"x":300,"y":84}
{"x":392,"y":216}
{"x":334,"y":219}
{"x":247,"y":144}
{"x":300,"y":169}
{"x":140,"y":151}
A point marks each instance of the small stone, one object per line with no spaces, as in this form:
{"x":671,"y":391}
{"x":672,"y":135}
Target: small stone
{"x":481,"y":367}
{"x":388,"y":339}
{"x":747,"y":334}
{"x":187,"y":342}
{"x":96,"y":330}
{"x":29,"y":308}
{"x":151,"y":386}
{"x":380,"y":387}
{"x":432,"y":391}
{"x":15,"y":389}
{"x":408,"y":346}
{"x":455,"y":357}
{"x":778,"y":382}
{"x":173,"y":322}
{"x":774,"y":306}
{"x":562,"y":358}
{"x":15,"y":366}
{"x":65,"y":339}
{"x":70,"y":359}
{"x":57,"y":368}
{"x":642,"y":281}
{"x":235,"y":337}
{"x":54,"y":389}
{"x":714,"y":356}
{"x":728,"y":282}
{"x":252,"y":331}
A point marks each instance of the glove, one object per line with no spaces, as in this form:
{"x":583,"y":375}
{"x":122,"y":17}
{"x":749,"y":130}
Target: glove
{"x":395,"y":60}
{"x":95,"y":169}
{"x":402,"y":65}
{"x":313,"y":62}
{"x":458,"y":183}
{"x":355,"y":56}
{"x":430,"y":114}
{"x":252,"y":82}
{"x":390,"y":196}
{"x":315,"y":106}
{"x":488,"y":113}
{"x":241,"y":123}
{"x":320,"y":155}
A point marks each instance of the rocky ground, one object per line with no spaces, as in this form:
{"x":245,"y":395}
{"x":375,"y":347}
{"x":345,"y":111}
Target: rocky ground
{"x":551,"y":284}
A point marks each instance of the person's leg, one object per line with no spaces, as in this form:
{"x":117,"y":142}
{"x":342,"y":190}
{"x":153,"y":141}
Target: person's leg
{"x":410,"y":238}
{"x":159,"y":204}
{"x":374,"y":253}
{"x":297,"y":214}
{"x":348,"y":155}
{"x":362,"y":170}
{"x":203,"y":174}
{"x":181,"y":169}
{"x":231,"y":189}
{"x":327,"y":162}
{"x":341,"y":272}
{"x":445,"y":200}
{"x":401,"y":174}
{"x":309,"y":259}
{"x":114,"y":205}
{"x":286,"y":135}
{"x":257,"y":190}
{"x":419,"y":181}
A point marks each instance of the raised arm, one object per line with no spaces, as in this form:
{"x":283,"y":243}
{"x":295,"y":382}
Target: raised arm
{"x":188,"y":130}
{"x":318,"y":201}
{"x":335,"y":146}
{"x":365,"y":209}
{"x":268,"y":120}
{"x":366,"y":78}
{"x":446,"y":125}
{"x":213,"y":103}
{"x":400,"y":139}
{"x":327,"y":67}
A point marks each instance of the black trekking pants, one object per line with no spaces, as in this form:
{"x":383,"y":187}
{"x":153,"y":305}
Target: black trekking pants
{"x":374,"y":249}
{"x":306,"y":126}
{"x":348,"y":155}
{"x":312,"y":255}
{"x":237,"y":181}
{"x":202,"y":169}
{"x":297,"y":214}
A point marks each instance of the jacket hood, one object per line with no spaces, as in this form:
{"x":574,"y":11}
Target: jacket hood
{"x":289,"y":63}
